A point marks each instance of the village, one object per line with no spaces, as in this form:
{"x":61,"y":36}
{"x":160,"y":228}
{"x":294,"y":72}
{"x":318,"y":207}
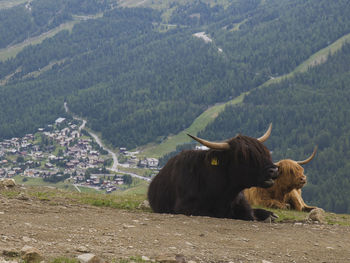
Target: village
{"x":64,"y":152}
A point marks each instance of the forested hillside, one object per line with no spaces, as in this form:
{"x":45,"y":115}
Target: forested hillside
{"x":35,"y":17}
{"x":307,"y":110}
{"x":137,"y":80}
{"x":140,"y":74}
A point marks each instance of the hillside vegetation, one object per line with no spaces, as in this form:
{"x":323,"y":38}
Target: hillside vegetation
{"x":138,"y":74}
{"x":135,"y":82}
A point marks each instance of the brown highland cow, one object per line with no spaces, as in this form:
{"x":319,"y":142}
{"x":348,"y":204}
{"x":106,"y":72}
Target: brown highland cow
{"x":286,"y":191}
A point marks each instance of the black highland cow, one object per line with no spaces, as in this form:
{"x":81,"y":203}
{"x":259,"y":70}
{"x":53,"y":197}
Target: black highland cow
{"x":210,"y":182}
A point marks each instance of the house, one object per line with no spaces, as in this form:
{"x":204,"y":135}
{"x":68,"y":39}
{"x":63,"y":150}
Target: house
{"x":65,"y":131}
{"x":70,"y":165}
{"x":49,"y":165}
{"x":11,"y":173}
{"x":75,"y":134}
{"x":152,"y":162}
{"x":149,"y":162}
{"x":142,"y":163}
{"x":122,"y":149}
{"x":52,"y":157}
{"x":60,"y":121}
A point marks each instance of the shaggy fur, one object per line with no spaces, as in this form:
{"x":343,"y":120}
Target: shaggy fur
{"x":286,"y":191}
{"x":209,"y":182}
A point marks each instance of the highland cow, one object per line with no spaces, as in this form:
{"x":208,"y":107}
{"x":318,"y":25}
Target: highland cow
{"x":286,"y":191}
{"x":210,"y":182}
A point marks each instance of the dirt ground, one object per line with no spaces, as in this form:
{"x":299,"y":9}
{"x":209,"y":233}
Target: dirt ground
{"x":60,"y":230}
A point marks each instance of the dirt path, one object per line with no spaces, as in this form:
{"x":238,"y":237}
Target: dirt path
{"x":58,"y":230}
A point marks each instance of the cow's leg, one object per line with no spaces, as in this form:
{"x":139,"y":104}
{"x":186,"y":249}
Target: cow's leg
{"x":296,"y":201}
{"x":188,"y":206}
{"x":240,"y":208}
{"x":264,"y":215}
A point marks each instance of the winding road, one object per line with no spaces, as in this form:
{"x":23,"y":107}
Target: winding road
{"x":115,"y":165}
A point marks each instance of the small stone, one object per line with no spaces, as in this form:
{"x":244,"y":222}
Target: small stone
{"x":7,"y":182}
{"x":145,"y":204}
{"x":90,"y":258}
{"x":317,"y":214}
{"x":31,"y":254}
{"x":125,"y":226}
{"x":26,"y":239}
{"x":22,"y":197}
{"x":83,"y":249}
{"x":144,"y":258}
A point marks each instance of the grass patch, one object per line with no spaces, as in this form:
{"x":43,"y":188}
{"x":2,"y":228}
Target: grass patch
{"x":285,"y":216}
{"x":140,"y":189}
{"x":289,"y":215}
{"x":127,"y":202}
{"x":131,"y":201}
{"x":337,"y":219}
{"x":29,"y":181}
{"x":84,"y":189}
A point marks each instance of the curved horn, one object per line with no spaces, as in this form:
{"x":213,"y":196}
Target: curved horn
{"x":266,"y":135}
{"x":211,"y":145}
{"x":308,"y":159}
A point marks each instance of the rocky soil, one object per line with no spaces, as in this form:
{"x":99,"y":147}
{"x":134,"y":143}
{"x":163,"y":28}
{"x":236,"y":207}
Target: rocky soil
{"x":65,"y":229}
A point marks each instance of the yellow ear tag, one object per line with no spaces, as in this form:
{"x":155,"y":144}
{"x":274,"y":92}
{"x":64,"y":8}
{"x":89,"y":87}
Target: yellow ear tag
{"x":215,"y":161}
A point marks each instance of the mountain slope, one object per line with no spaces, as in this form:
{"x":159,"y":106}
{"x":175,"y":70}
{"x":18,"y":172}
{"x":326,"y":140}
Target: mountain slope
{"x":136,"y":80}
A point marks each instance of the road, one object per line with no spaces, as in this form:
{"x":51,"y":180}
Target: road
{"x":115,"y":165}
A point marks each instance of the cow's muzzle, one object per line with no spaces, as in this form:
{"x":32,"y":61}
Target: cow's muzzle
{"x":271,"y":175}
{"x":273,"y":172}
